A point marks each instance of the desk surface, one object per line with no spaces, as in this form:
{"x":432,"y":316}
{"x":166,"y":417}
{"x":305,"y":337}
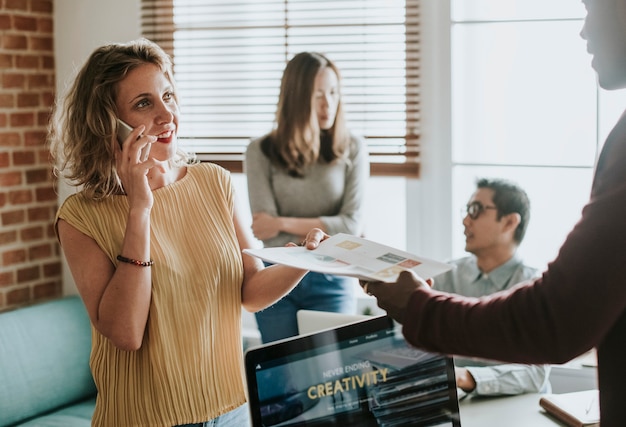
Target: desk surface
{"x":513,"y":411}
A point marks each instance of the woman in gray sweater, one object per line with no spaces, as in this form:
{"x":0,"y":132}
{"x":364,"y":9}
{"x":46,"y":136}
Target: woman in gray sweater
{"x":310,"y":171}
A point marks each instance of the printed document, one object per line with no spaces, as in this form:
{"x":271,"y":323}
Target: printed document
{"x":347,"y":255}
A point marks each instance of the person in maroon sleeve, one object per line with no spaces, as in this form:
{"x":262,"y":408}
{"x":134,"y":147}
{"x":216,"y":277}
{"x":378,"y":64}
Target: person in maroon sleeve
{"x":580,"y":300}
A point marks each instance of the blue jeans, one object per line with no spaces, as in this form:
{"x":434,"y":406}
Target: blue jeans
{"x":316,"y":291}
{"x":239,"y":417}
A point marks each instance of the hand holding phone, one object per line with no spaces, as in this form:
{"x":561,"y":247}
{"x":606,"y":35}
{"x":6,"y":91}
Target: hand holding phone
{"x":123,"y":130}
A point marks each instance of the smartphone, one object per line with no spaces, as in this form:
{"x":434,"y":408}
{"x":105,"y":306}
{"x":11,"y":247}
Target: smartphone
{"x":123,"y":130}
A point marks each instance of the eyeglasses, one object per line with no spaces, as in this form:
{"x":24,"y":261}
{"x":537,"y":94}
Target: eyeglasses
{"x":475,"y":209}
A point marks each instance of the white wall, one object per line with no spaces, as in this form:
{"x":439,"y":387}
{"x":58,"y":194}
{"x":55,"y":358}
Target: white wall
{"x":429,"y":199}
{"x":82,"y":25}
{"x":79,"y":27}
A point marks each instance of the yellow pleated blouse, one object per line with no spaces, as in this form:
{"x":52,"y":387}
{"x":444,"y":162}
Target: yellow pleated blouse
{"x":189,"y":368}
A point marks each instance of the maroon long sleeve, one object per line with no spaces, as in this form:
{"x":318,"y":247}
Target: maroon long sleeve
{"x":577,"y":304}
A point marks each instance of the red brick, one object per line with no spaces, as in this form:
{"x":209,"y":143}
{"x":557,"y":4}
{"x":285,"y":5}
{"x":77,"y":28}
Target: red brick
{"x":18,"y":296}
{"x":13,"y":217}
{"x":5,"y":21}
{"x":44,"y":156}
{"x":31,"y":233}
{"x":21,"y":158}
{"x":47,"y":100}
{"x":21,"y":119}
{"x":24,"y":23}
{"x":7,"y":237}
{"x":28,"y":100}
{"x":8,"y":179}
{"x":47,"y":62}
{"x":37,"y":176}
{"x":45,"y":194}
{"x":28,"y":274}
{"x":20,"y":197}
{"x":10,"y":139}
{"x":7,"y":100}
{"x":13,"y":81}
{"x":41,"y":43}
{"x":39,"y":252}
{"x":16,"y":256}
{"x":45,"y":25}
{"x":6,"y":61}
{"x":41,"y":6}
{"x":27,"y":61}
{"x":52,"y":269}
{"x":7,"y":278}
{"x":52,"y":234}
{"x":14,"y":42}
{"x":38,"y":81}
{"x":34,"y":138}
{"x":43,"y":118}
{"x":5,"y":161}
{"x":28,"y":200}
{"x":47,"y":290}
{"x":39,"y":214}
{"x":16,"y":5}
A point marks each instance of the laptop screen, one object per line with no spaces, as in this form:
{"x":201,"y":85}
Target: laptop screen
{"x":314,"y":320}
{"x":361,"y":374}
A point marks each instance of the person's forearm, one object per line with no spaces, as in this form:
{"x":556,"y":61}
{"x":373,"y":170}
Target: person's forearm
{"x":509,"y":379}
{"x":263,"y":286}
{"x":123,"y":309}
{"x":299,"y":226}
{"x":268,"y":285}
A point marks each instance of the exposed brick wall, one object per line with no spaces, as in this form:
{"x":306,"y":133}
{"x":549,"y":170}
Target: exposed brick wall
{"x":30,"y":261}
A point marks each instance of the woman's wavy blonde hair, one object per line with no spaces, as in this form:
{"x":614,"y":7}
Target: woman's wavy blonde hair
{"x":297,"y":142}
{"x":83,"y":127}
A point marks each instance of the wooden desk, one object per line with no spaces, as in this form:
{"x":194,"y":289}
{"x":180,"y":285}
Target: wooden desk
{"x":511,"y":411}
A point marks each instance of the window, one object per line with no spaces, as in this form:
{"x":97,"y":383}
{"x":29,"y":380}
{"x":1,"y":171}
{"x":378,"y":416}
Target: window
{"x":229,"y":57}
{"x":526,"y":107}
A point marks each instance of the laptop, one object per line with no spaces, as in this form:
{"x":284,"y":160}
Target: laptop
{"x":314,"y":321}
{"x":361,"y":374}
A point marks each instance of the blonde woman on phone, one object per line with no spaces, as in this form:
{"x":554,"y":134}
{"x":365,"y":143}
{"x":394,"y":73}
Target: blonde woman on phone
{"x":154,"y":244}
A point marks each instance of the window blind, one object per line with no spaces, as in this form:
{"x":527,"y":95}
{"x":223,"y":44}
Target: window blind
{"x":229,"y":57}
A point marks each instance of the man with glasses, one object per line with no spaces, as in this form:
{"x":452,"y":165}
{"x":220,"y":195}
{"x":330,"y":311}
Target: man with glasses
{"x":496,"y":219}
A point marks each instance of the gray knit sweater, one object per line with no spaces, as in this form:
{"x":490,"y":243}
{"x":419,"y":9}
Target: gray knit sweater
{"x":332,"y":192}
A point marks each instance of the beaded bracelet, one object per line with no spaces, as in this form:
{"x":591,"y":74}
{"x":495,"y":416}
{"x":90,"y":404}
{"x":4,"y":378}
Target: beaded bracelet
{"x":135,"y":262}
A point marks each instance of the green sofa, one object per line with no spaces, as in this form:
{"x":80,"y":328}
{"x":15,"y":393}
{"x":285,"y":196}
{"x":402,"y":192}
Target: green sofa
{"x":45,"y":379}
